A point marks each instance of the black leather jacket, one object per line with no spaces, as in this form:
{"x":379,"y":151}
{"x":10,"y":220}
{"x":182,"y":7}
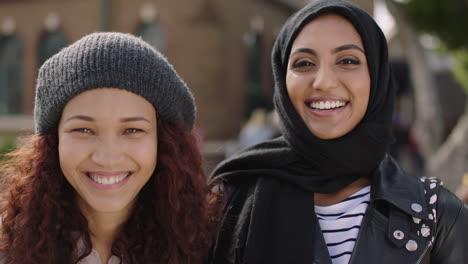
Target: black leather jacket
{"x":393,"y":196}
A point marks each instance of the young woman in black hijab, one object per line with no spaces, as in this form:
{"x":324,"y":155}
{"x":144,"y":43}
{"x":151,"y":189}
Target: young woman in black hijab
{"x":327,"y":191}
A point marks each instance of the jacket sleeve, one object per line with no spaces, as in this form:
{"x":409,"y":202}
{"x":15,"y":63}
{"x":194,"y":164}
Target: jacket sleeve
{"x":451,"y":245}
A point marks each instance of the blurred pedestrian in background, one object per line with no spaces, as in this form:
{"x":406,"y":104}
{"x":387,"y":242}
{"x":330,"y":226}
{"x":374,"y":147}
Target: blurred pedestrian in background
{"x":256,"y":130}
{"x":260,"y":126}
{"x":328,"y":191}
{"x":113,"y":173}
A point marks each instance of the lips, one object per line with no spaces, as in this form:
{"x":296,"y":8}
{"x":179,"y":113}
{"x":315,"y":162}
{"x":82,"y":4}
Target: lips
{"x":108,"y":178}
{"x":326,"y":105}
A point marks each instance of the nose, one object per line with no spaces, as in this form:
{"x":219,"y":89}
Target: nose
{"x":325,"y":79}
{"x":107,"y":153}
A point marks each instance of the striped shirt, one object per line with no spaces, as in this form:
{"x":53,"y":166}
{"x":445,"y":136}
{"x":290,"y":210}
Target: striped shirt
{"x":340,"y":224}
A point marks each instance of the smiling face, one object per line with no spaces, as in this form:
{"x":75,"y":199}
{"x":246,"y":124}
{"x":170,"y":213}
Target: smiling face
{"x":107,"y":148}
{"x":327,"y":79}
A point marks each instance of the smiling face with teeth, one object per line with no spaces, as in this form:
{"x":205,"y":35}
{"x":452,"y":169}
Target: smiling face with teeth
{"x":328,"y":79}
{"x":107,"y":148}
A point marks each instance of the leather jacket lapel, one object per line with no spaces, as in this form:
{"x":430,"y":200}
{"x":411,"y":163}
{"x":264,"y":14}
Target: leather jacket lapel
{"x":374,"y":245}
{"x":405,"y":192}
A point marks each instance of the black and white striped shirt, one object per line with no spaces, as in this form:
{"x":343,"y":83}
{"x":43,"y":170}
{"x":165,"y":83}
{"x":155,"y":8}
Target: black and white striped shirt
{"x":340,"y":224}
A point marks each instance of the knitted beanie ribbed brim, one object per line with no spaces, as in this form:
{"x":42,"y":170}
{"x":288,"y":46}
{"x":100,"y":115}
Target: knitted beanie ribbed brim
{"x":112,"y":60}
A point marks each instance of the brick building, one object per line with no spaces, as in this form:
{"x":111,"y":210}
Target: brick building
{"x":203,"y":39}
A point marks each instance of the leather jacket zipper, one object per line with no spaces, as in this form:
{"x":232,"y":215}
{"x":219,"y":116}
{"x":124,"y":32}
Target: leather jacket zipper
{"x":428,"y":246}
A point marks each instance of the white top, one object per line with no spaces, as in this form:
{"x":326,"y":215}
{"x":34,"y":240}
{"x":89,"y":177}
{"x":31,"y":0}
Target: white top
{"x":92,"y":258}
{"x":341,"y":222}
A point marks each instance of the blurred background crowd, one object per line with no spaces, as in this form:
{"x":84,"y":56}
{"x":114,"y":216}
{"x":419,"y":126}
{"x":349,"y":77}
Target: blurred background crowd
{"x":222,"y":51}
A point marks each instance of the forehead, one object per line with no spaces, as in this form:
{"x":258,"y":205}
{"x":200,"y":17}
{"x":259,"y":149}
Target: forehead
{"x":328,"y":30}
{"x":108,"y":100}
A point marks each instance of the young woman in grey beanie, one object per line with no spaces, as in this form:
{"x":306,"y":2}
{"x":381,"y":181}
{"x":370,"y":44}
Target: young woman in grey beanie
{"x":112,"y":173}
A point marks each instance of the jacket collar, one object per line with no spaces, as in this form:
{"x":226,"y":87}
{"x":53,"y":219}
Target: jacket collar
{"x":393,"y":185}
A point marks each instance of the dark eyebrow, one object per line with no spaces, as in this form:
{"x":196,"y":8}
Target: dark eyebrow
{"x":346,"y":47}
{"x":123,"y":120}
{"x":304,"y":50}
{"x":335,"y":50}
{"x":81,"y":117}
{"x":134,"y":119}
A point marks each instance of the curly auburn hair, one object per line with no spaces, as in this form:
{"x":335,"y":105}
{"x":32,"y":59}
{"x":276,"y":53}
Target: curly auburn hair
{"x":170,"y":223}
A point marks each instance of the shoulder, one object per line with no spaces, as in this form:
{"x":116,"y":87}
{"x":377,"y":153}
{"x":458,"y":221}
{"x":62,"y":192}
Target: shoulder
{"x":451,"y":245}
{"x":239,"y":196}
{"x":237,"y":191}
{"x":448,"y":201}
{"x":450,"y":210}
{"x":443,"y":205}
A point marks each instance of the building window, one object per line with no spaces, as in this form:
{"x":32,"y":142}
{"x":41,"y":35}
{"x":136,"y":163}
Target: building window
{"x":150,"y":30}
{"x":52,"y":39}
{"x":254,"y":45}
{"x":10,"y":68}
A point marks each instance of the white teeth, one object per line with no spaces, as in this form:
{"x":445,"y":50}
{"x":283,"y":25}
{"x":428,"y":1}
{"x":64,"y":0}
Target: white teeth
{"x":108,"y":180}
{"x":322,"y":105}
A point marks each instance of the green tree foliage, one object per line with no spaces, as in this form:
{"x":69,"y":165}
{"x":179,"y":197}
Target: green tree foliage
{"x":461,"y":67}
{"x":448,"y":20}
{"x":7,"y":144}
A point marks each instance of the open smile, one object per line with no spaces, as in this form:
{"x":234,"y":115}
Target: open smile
{"x":106,"y":180}
{"x":326,"y":107}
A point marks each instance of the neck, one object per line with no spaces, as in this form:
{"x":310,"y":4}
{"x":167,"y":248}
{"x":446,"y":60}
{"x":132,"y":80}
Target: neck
{"x":326,"y":199}
{"x":103,"y":228}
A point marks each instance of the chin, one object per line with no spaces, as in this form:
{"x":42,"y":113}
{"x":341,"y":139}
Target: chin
{"x":326,"y":135}
{"x":106,"y":206}
{"x":328,"y":132}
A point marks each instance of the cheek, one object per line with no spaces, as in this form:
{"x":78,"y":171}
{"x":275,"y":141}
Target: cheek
{"x":359,"y":87}
{"x":71,"y":154}
{"x":145,"y":153}
{"x":360,"y":107}
{"x":294,"y":88}
{"x":363,"y":93}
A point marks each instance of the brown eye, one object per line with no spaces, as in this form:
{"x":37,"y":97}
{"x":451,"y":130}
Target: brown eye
{"x":349,"y":61}
{"x":132,"y":131}
{"x":303,"y":64}
{"x":83,"y":130}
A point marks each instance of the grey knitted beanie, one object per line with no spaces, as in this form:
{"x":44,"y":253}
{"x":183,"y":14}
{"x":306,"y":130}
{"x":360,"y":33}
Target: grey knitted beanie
{"x":113,"y":60}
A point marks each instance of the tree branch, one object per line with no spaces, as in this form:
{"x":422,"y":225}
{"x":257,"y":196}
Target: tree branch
{"x":428,"y":124}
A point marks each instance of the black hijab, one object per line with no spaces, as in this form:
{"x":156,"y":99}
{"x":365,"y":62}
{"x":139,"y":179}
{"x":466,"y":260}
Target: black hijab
{"x":276,"y":223}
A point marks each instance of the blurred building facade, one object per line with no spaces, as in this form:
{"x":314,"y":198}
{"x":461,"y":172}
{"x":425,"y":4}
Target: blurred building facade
{"x":220,"y":48}
{"x":204,"y":40}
